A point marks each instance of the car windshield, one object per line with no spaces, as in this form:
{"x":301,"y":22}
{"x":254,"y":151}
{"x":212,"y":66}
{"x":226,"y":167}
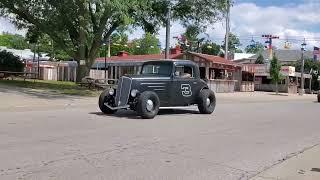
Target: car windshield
{"x":159,"y":69}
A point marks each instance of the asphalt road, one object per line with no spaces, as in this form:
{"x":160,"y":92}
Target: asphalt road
{"x":66,"y":141}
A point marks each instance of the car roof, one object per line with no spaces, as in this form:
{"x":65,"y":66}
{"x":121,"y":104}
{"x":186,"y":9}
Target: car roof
{"x":174,"y":61}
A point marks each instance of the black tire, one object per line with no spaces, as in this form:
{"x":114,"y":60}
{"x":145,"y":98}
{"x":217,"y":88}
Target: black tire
{"x":142,"y":105}
{"x":105,"y":97}
{"x":202,"y":101}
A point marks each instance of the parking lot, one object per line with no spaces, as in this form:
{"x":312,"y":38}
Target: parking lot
{"x":58,"y":137}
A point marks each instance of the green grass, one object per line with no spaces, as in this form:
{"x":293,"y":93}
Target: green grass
{"x":67,"y":88}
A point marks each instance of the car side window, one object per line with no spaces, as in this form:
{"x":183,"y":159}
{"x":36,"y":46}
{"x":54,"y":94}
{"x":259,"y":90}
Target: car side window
{"x":184,"y":72}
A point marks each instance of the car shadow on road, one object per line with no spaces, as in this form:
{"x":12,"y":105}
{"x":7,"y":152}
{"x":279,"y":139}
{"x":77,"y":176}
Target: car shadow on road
{"x":133,"y":115}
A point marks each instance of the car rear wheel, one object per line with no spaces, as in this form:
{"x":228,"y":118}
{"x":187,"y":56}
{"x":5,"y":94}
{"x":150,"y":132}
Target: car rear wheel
{"x":106,"y":98}
{"x":148,"y":105}
{"x":206,"y":101}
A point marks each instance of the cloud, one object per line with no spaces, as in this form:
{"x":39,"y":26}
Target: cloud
{"x":7,"y":26}
{"x":292,"y":21}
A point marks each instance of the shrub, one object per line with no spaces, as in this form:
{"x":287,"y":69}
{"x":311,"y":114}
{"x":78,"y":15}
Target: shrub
{"x":10,"y":62}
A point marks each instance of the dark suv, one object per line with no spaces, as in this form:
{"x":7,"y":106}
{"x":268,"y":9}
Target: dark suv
{"x":162,"y":83}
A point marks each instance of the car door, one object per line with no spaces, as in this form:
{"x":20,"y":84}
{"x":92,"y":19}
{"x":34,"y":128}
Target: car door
{"x":183,"y":86}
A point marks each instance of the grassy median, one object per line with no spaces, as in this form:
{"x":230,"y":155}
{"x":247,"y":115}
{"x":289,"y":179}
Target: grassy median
{"x":61,"y":87}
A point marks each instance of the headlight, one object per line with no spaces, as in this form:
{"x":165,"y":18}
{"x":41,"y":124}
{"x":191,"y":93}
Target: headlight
{"x":111,"y":91}
{"x":134,"y":93}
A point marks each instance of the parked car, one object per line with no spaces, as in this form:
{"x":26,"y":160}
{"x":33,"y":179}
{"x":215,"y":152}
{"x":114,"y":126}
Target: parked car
{"x":162,"y":83}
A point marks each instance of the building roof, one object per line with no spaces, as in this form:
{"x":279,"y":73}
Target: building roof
{"x":215,"y":59}
{"x":129,"y":60}
{"x":137,"y":57}
{"x":286,"y":55}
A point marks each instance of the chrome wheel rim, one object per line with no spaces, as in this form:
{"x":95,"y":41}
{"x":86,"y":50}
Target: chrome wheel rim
{"x":150,"y":105}
{"x":208,"y":102}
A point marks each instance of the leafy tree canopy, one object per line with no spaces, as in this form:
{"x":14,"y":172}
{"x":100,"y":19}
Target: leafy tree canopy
{"x":148,"y":44}
{"x":275,"y":71}
{"x":80,"y":27}
{"x":210,"y":48}
{"x":254,"y":48}
{"x":260,"y":59}
{"x":9,"y":62}
{"x":310,"y":66}
{"x":234,"y":43}
{"x":13,"y":41}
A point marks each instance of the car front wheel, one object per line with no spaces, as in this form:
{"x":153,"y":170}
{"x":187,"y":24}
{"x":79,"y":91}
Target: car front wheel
{"x":148,"y":105}
{"x":206,"y":101}
{"x":106,"y":98}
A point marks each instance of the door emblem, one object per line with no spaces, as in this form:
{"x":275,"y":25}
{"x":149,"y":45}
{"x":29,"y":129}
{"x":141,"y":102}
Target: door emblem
{"x":186,"y":90}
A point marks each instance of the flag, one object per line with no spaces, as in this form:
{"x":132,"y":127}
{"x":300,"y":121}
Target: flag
{"x":316,"y":53}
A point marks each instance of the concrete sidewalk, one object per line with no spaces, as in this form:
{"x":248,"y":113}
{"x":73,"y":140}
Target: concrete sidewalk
{"x":303,"y":166}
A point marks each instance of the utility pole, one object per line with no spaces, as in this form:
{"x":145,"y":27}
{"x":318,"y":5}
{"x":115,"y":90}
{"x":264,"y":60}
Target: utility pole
{"x":105,"y":61}
{"x":303,"y":47}
{"x":167,"y":53}
{"x":109,"y":47}
{"x":227,"y":30}
{"x":38,"y":64}
{"x":269,"y":42}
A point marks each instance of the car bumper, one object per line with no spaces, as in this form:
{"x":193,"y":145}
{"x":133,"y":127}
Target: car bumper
{"x":117,"y":108}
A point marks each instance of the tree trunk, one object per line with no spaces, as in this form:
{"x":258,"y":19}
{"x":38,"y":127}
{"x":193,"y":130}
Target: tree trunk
{"x":277,"y":88}
{"x":82,"y":71}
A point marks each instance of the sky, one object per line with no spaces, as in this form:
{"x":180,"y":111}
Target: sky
{"x":291,"y":20}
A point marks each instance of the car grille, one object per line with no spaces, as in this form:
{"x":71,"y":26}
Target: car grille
{"x":123,"y":91}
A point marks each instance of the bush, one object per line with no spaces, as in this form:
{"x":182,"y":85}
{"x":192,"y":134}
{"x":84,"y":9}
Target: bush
{"x":10,"y":62}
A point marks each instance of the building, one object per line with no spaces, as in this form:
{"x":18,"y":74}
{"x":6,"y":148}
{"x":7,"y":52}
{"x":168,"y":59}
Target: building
{"x":222,"y":75}
{"x":58,"y":71}
{"x":285,"y":57}
{"x":289,"y":84}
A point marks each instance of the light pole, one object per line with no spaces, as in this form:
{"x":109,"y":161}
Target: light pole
{"x":303,"y":47}
{"x":227,"y":29}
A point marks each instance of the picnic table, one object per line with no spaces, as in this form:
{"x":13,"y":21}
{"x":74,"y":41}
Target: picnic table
{"x":99,"y":84}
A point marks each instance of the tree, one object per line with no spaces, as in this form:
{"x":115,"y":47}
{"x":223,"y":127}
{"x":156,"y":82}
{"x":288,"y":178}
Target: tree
{"x":260,"y":59}
{"x":254,"y":48}
{"x":80,"y":27}
{"x":309,"y":65}
{"x":9,"y":62}
{"x":13,"y":41}
{"x":275,"y":68}
{"x":146,"y":45}
{"x":119,"y":42}
{"x":210,"y":48}
{"x":234,"y":43}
